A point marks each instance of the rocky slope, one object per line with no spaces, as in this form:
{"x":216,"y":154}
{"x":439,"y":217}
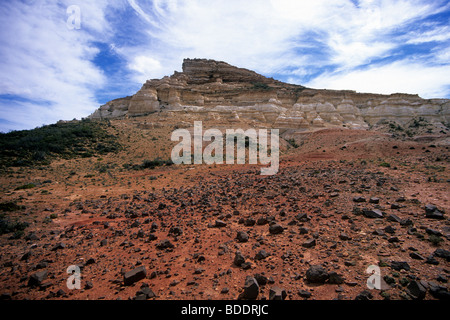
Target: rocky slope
{"x":216,"y":90}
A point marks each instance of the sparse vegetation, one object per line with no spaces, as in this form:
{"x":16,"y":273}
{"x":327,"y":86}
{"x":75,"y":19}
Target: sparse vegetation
{"x":10,"y":206}
{"x":385,"y":164}
{"x":64,"y":139}
{"x":26,"y":186}
{"x":435,"y":240}
{"x":292,"y":143}
{"x":6,"y":226}
{"x":260,"y":86}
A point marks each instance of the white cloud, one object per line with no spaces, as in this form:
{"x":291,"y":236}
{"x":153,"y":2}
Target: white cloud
{"x":264,"y":34}
{"x":46,"y":64}
{"x":42,"y":61}
{"x":401,"y":76}
{"x":146,"y":67}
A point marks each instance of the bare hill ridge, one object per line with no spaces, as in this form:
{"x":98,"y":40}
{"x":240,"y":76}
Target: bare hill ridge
{"x":217,"y":90}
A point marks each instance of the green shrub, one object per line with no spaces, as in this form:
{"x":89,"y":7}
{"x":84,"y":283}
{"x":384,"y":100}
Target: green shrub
{"x":385,"y":164}
{"x":26,"y":186}
{"x":10,"y":207}
{"x":7,"y":226}
{"x":64,"y":139}
{"x":435,"y":240}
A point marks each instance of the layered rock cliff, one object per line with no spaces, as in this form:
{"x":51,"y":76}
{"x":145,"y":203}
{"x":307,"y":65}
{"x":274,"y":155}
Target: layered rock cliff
{"x":218,"y":90}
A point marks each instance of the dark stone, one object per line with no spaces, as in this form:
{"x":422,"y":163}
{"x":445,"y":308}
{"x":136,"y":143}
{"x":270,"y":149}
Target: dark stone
{"x":302,"y":217}
{"x":372,"y":213}
{"x":261,"y":255}
{"x":175,"y":231}
{"x":343,"y":236}
{"x":145,"y":293}
{"x":389,"y":229}
{"x":220,"y":224}
{"x":359,"y":199}
{"x":242,"y":236}
{"x":416,"y":256}
{"x":249,"y":222}
{"x":394,"y":218}
{"x":26,"y":255}
{"x":304,"y":294}
{"x":374,"y":200}
{"x":246,"y":265}
{"x":399,"y":265}
{"x":395,"y":206}
{"x":433,"y":232}
{"x":152,"y":237}
{"x":251,"y":289}
{"x":303,"y":230}
{"x":431,"y":211}
{"x":309,"y":243}
{"x":239,"y":259}
{"x":164,"y":244}
{"x":442,"y":253}
{"x":59,"y":246}
{"x":335,"y":278}
{"x":277,"y":293}
{"x":416,"y":290}
{"x":134,"y":275}
{"x":438,"y":291}
{"x":261,"y":279}
{"x":432,"y":260}
{"x":36,"y":279}
{"x":261,"y":221}
{"x":316,"y":274}
{"x":275,"y":228}
{"x":406,"y":222}
{"x":364,"y":295}
{"x":88,"y":285}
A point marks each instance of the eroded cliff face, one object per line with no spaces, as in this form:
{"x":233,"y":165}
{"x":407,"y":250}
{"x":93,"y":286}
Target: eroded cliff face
{"x":217,"y":90}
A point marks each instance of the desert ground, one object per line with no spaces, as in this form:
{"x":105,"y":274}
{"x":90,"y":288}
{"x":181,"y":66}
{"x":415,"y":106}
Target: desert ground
{"x":343,"y":200}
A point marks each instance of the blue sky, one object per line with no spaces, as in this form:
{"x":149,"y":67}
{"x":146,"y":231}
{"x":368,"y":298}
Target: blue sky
{"x":49,"y":71}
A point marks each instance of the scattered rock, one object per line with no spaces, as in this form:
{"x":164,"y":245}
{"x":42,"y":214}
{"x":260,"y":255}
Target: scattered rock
{"x":239,"y":259}
{"x":359,"y":199}
{"x":394,"y":218}
{"x":59,"y":246}
{"x":145,"y":293}
{"x":242,"y":236}
{"x":134,"y":275}
{"x":277,"y":293}
{"x":431,"y":211}
{"x":304,"y":294}
{"x":343,"y":236}
{"x":37,"y":278}
{"x":416,"y":256}
{"x":364,"y":295}
{"x":309,"y":243}
{"x":399,"y":265}
{"x":261,"y":255}
{"x":316,"y":274}
{"x":164,"y":244}
{"x":251,"y":289}
{"x":442,"y":253}
{"x":335,"y":278}
{"x":416,"y":290}
{"x":372,"y":213}
{"x":220,"y":224}
{"x":275,"y":228}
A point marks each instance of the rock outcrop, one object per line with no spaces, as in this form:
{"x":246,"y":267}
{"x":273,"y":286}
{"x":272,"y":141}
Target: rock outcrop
{"x":217,"y":90}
